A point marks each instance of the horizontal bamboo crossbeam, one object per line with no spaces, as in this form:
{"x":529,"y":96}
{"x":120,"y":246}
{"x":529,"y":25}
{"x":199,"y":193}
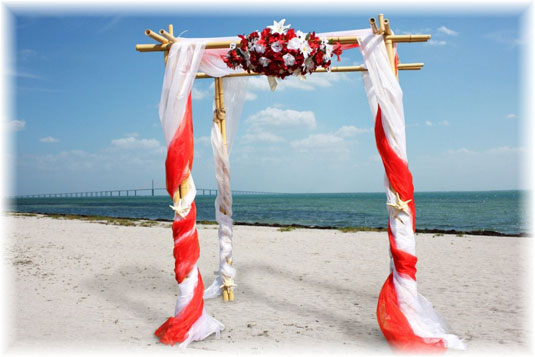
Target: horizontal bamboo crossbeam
{"x":401,"y":67}
{"x":226,"y":44}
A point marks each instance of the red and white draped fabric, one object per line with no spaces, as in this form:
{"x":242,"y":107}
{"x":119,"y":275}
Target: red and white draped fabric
{"x":407,"y":319}
{"x":186,"y":57}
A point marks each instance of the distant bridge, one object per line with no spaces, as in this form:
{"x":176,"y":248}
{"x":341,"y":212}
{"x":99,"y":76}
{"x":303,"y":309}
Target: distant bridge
{"x":135,"y":192}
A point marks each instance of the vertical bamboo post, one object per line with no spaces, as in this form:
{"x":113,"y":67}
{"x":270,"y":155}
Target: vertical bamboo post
{"x":228,"y":293}
{"x":166,"y":52}
{"x":380,"y":18}
{"x":389,"y":46}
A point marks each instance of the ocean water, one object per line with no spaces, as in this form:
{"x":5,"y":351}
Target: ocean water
{"x":498,"y":211}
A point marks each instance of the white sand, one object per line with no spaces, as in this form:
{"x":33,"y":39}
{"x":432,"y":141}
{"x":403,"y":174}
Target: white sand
{"x":93,"y":287}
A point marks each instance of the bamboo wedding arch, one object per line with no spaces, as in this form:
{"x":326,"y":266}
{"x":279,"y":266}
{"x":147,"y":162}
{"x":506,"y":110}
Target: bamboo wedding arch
{"x":166,"y":39}
{"x":408,"y":328}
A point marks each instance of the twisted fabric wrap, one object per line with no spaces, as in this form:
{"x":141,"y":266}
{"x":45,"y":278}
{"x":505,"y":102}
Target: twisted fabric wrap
{"x":190,"y":322}
{"x":407,"y":320}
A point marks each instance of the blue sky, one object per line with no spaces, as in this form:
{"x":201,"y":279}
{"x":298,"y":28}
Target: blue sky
{"x":85,"y":113}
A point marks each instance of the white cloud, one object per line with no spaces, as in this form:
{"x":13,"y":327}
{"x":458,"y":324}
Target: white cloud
{"x":348,"y":131}
{"x":436,"y":43}
{"x":197,"y":94}
{"x":463,"y":151}
{"x":441,"y":123}
{"x":497,"y":150}
{"x":202,"y":140}
{"x":320,"y":142}
{"x":132,"y":143}
{"x":16,"y":125}
{"x":511,"y":116}
{"x":134,"y":134}
{"x":275,"y":117}
{"x":49,"y":140}
{"x":25,"y":74}
{"x":504,"y":149}
{"x":447,"y":31}
{"x":262,"y":136}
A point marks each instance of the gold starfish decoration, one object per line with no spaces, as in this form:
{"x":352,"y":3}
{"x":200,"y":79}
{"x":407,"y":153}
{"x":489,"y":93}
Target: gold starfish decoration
{"x":399,"y":206}
{"x":182,"y":211}
{"x":227,"y":283}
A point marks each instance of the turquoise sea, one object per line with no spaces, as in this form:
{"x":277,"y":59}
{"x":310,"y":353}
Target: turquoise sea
{"x":502,"y":212}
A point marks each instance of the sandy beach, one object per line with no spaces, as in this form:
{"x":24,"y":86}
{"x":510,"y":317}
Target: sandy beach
{"x":87,"y":286}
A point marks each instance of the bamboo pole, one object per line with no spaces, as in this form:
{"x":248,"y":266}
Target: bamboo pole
{"x":167,"y":35}
{"x":373,"y":25}
{"x":348,"y":40}
{"x":155,"y":36}
{"x":401,"y":67}
{"x":408,"y":38}
{"x":389,"y":46}
{"x":166,"y":53}
{"x":380,"y":18}
{"x":227,"y":293}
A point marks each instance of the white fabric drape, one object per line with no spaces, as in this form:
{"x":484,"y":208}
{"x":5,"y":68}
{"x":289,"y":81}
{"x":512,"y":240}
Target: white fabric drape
{"x":186,"y":57}
{"x":234,"y":90}
{"x":383,"y":88}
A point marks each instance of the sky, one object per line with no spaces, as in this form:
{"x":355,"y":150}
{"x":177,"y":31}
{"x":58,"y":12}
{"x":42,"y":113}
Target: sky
{"x":84,"y":113}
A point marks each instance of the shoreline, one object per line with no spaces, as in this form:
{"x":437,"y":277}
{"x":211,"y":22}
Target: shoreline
{"x":147,"y":222}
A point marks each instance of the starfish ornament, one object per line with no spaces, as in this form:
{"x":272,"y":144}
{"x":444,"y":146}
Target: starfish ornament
{"x":182,"y":211}
{"x":279,"y":27}
{"x":399,"y":206}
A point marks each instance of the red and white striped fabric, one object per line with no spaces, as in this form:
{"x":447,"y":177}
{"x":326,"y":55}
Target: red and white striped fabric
{"x":190,"y":322}
{"x":407,"y":319}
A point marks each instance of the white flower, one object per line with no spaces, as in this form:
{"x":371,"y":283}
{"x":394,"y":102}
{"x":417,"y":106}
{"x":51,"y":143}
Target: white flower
{"x":259,"y":48}
{"x":276,"y":46}
{"x":329,"y":50}
{"x":301,"y":35}
{"x":232,"y":46}
{"x":264,"y":61}
{"x":305,"y":49}
{"x":279,"y":27}
{"x":289,"y":60}
{"x":294,"y":44}
{"x":324,"y":40}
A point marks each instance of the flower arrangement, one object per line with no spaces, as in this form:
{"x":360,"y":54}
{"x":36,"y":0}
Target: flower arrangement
{"x":279,"y":51}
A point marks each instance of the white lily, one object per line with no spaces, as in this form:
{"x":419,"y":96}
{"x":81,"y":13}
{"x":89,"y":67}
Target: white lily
{"x":305,"y":49}
{"x":279,"y":27}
